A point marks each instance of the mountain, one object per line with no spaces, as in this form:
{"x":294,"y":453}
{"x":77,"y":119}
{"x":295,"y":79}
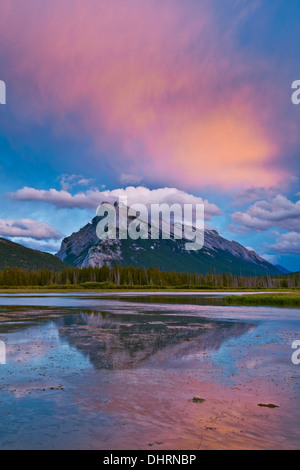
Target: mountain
{"x":282,"y":269}
{"x":84,"y":248}
{"x":14,"y":255}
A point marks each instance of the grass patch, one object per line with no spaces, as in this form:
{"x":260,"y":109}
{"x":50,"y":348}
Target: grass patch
{"x":275,"y":300}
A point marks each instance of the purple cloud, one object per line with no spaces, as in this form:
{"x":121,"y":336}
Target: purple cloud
{"x":287,"y":243}
{"x":279,"y":212}
{"x":28,"y":228}
{"x":254,"y":194}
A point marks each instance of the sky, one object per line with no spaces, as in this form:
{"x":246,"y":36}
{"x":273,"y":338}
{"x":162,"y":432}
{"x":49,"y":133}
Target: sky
{"x":161,"y":100}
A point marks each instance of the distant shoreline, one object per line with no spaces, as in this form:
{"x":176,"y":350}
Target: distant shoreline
{"x":265,"y":297}
{"x":67,"y":289}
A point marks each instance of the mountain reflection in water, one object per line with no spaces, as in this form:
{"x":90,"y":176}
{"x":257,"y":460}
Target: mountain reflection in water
{"x":113,"y":341}
{"x":119,"y":371}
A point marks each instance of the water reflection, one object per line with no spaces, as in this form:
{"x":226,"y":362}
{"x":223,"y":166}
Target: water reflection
{"x":116,"y":341}
{"x":113,"y":341}
{"x":118,"y":372}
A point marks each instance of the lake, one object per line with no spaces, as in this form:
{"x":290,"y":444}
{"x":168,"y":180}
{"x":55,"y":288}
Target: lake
{"x":122,"y":370}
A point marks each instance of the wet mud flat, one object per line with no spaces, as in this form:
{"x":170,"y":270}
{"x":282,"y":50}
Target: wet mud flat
{"x":147,"y":376}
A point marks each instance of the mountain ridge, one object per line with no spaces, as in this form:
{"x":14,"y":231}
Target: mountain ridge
{"x":84,"y":248}
{"x":14,"y":255}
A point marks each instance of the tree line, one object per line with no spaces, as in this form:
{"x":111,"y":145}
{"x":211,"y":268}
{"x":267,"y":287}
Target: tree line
{"x":131,"y":276}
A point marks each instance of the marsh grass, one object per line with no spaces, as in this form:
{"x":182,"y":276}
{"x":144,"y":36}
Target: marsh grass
{"x":275,"y":300}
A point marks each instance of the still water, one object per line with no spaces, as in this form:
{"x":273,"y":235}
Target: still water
{"x":119,"y":371}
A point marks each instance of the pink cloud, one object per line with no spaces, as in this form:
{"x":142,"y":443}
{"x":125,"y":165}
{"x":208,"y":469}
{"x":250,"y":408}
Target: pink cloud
{"x":154,"y":83}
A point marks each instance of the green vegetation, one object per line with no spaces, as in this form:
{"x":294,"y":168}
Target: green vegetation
{"x":129,"y":277}
{"x":275,"y":300}
{"x":12,"y":255}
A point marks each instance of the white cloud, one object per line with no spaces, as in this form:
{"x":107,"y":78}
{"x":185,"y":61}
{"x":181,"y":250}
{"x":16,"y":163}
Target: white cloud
{"x":279,"y":212}
{"x":287,"y":243}
{"x":91,"y":199}
{"x":28,"y":228}
{"x":61,"y":199}
{"x":273,"y":259}
{"x":68,"y":181}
